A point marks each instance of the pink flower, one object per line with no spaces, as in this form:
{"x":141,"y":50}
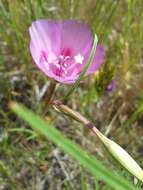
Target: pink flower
{"x":61,"y":49}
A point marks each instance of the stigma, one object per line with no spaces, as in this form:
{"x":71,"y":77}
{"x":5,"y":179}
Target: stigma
{"x":79,"y":58}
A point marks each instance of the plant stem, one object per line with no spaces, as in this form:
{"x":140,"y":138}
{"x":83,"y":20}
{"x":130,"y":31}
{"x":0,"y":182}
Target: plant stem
{"x":77,"y":116}
{"x":113,"y":148}
{"x":48,"y":96}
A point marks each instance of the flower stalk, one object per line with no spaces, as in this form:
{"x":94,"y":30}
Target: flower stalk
{"x":116,"y":150}
{"x":49,"y":95}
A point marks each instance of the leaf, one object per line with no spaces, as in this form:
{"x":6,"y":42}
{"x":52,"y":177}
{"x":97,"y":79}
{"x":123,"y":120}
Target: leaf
{"x":88,"y":161}
{"x":85,"y":67}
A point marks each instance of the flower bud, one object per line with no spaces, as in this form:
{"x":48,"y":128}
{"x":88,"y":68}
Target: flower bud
{"x":122,"y":156}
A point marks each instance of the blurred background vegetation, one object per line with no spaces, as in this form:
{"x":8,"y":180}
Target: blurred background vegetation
{"x":28,"y":162}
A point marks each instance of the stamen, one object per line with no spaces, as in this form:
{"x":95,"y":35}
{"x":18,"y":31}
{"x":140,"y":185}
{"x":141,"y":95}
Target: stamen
{"x":65,"y":70}
{"x":56,"y":63}
{"x":65,"y":64}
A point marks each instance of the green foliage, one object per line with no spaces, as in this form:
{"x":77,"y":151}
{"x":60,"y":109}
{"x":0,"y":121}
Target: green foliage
{"x":88,"y":161}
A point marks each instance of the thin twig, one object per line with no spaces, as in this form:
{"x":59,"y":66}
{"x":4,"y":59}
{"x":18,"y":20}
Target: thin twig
{"x":77,"y":116}
{"x":49,"y":95}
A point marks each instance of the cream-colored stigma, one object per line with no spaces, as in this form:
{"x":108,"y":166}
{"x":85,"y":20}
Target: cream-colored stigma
{"x":79,"y":58}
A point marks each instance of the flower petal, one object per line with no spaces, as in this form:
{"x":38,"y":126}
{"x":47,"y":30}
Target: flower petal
{"x":45,"y":36}
{"x":98,"y":59}
{"x":76,"y":36}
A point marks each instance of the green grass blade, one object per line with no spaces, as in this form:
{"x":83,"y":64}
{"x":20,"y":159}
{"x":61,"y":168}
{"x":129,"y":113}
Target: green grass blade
{"x":3,"y":10}
{"x":85,"y":67}
{"x":88,"y":161}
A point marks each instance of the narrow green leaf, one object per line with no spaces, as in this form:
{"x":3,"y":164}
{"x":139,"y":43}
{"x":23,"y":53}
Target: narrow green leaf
{"x":85,"y":67}
{"x":88,"y":161}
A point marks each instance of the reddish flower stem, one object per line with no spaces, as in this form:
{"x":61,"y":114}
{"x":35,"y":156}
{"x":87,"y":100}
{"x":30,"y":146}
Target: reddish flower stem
{"x":49,"y":95}
{"x":77,"y":116}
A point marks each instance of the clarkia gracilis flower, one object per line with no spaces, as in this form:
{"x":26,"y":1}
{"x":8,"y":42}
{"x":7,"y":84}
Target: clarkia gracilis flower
{"x":61,"y":49}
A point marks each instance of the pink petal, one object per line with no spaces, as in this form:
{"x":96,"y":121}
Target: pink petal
{"x":98,"y":60}
{"x":76,"y":36}
{"x":45,"y":36}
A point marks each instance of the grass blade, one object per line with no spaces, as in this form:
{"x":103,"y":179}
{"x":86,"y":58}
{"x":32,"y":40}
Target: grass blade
{"x":85,"y":67}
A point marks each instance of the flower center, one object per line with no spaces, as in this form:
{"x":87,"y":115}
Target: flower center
{"x":62,"y":65}
{"x":65,"y":64}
